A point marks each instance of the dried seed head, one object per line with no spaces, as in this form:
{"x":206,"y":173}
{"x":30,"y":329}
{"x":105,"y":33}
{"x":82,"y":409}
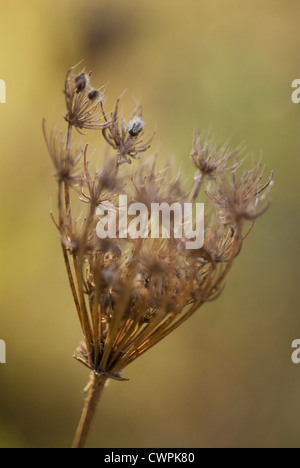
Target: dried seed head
{"x":135,"y":126}
{"x":241,"y":197}
{"x":67,"y":163}
{"x":124,"y":138}
{"x":211,"y":160}
{"x":82,"y":102}
{"x":132,"y":293}
{"x":82,"y":81}
{"x":95,"y":96}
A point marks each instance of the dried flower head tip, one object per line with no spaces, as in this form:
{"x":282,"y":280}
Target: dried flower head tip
{"x":135,"y":126}
{"x":210,"y":159}
{"x":240,"y":198}
{"x":124,"y":139}
{"x":95,"y":96}
{"x":82,"y":82}
{"x":66,"y":163}
{"x":82,"y":103}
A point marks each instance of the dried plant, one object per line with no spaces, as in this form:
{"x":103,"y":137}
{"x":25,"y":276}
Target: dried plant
{"x":131,"y":293}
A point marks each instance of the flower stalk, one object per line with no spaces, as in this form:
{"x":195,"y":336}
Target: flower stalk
{"x":95,"y":391}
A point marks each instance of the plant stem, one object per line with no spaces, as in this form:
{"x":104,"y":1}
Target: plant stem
{"x":196,"y":188}
{"x":67,"y":191}
{"x":97,"y":384}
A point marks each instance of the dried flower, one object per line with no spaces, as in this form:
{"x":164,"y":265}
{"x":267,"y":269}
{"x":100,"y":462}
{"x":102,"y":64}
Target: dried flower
{"x":124,"y":139}
{"x":82,"y":82}
{"x":241,"y":198}
{"x":135,"y":126}
{"x":211,"y":160}
{"x":65,"y":162}
{"x":131,"y":293}
{"x":95,"y":96}
{"x":83,"y":103}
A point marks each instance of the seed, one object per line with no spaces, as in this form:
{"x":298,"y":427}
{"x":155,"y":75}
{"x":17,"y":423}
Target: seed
{"x":135,"y":126}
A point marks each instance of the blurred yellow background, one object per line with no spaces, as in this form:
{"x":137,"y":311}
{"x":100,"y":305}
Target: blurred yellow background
{"x":225,"y":378}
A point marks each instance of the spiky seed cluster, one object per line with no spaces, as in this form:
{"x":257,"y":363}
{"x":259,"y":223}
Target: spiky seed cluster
{"x":65,"y":162}
{"x":126,"y":140}
{"x":130,"y":294}
{"x":83,"y":102}
{"x":238,"y":199}
{"x":211,"y":159}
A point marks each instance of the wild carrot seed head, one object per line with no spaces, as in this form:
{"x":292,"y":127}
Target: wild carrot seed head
{"x":126,"y":140}
{"x":131,"y":293}
{"x":83,"y":103}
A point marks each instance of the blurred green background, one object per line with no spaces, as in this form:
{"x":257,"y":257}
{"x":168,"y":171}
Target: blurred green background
{"x":225,"y":378}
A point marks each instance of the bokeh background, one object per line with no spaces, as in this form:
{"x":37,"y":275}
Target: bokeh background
{"x":225,"y":378}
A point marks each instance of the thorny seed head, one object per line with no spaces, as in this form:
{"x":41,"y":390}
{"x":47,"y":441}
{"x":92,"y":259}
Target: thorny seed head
{"x":100,"y":186}
{"x":152,"y":186}
{"x":83,"y":103}
{"x":124,"y":138}
{"x":66,"y":163}
{"x":131,"y":293}
{"x":240,"y":198}
{"x":212,"y":160}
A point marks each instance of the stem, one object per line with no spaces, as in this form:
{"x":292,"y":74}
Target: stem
{"x":65,"y":253}
{"x":97,"y":384}
{"x":84,"y":312}
{"x":196,"y":188}
{"x":72,"y":284}
{"x":67,"y":191}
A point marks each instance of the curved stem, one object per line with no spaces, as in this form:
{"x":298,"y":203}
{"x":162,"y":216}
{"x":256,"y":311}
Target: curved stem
{"x":97,"y":384}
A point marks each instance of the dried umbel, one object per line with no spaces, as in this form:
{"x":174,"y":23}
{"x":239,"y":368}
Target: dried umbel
{"x":131,"y":293}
